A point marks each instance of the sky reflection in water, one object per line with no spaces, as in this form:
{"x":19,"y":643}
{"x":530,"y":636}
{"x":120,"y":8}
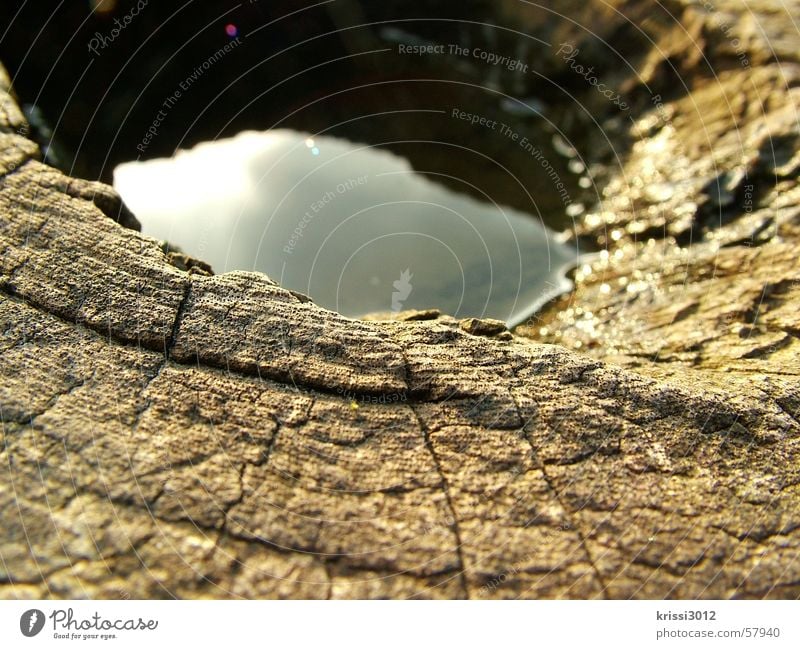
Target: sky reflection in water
{"x":353,"y":226}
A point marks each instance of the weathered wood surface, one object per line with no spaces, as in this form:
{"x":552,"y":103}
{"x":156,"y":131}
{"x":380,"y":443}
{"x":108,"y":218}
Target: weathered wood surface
{"x":171,"y":433}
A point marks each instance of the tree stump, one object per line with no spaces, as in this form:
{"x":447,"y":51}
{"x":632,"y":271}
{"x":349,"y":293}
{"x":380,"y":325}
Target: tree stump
{"x":169,"y":432}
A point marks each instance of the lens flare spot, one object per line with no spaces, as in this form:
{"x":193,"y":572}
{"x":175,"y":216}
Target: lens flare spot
{"x":231,"y":30}
{"x":103,"y":6}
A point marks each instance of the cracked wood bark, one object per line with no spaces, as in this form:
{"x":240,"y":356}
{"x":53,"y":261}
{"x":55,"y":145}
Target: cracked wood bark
{"x":171,"y":433}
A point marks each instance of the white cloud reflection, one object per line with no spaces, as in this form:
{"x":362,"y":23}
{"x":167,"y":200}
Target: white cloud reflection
{"x":340,"y":222}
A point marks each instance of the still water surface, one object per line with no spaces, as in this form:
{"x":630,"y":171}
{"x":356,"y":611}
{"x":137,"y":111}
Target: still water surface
{"x":353,"y":226}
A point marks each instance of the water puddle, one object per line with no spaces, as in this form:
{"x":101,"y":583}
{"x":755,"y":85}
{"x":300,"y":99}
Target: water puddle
{"x":352,"y":226}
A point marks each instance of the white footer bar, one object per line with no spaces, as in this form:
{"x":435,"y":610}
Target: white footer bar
{"x":401,"y":625}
